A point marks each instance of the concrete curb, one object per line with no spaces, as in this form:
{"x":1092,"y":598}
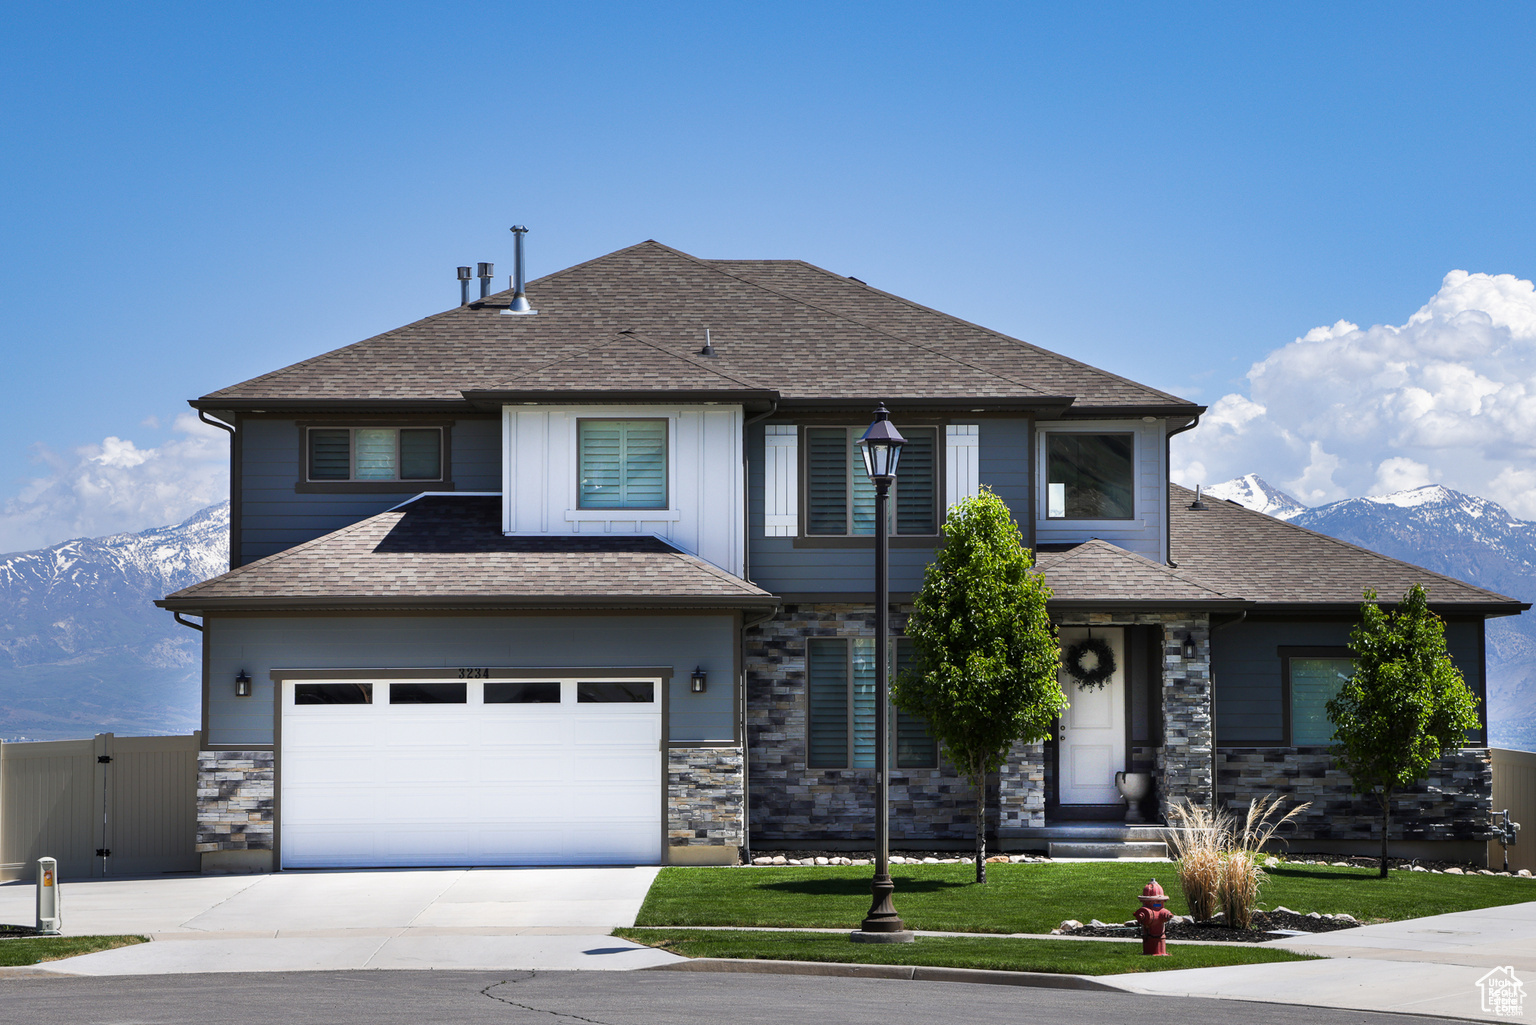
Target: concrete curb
{"x":911,"y":973}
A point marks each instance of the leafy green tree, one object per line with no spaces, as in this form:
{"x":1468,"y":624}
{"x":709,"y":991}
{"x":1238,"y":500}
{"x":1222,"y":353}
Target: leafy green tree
{"x":1405,"y":705}
{"x":984,"y":650}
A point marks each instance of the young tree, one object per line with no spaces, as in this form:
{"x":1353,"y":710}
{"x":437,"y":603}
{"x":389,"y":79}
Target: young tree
{"x":1405,"y":705}
{"x":984,"y":651}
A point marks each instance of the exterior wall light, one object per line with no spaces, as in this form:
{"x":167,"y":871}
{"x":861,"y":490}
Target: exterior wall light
{"x":1189,"y":646}
{"x":243,"y":685}
{"x":699,"y":681}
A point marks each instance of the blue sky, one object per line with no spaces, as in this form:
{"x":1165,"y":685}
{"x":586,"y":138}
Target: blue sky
{"x":191,"y":195}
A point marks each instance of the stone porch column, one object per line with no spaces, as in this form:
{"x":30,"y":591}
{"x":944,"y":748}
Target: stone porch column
{"x":1184,"y":761}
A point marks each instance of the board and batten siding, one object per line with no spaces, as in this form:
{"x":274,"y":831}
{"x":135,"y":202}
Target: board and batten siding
{"x":257,"y":645}
{"x":993,"y":452}
{"x":1248,"y":691}
{"x":1144,"y":533}
{"x":703,"y":514}
{"x":274,"y":516}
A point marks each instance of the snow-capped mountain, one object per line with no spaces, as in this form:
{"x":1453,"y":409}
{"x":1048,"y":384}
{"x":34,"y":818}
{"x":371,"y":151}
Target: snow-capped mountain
{"x":1254,"y":492}
{"x":83,"y":649}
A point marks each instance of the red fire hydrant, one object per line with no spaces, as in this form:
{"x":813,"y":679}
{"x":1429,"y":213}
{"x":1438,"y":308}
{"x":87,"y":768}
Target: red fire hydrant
{"x":1154,"y":920}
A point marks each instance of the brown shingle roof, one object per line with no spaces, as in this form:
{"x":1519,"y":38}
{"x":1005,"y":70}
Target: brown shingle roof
{"x":634,"y":320}
{"x":449,"y":551}
{"x":1272,"y":562}
{"x":1100,"y":574}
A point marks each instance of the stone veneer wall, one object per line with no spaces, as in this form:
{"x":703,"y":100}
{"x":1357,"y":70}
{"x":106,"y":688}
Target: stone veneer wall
{"x":234,"y":800}
{"x":704,"y":797}
{"x":1453,"y":803}
{"x":1021,"y":788}
{"x":1184,"y":760}
{"x":790,"y":802}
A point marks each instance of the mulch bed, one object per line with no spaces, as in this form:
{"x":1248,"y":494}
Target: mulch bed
{"x":1216,"y":932}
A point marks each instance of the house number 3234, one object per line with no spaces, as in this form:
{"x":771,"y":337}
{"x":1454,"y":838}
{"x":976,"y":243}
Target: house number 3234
{"x":473,"y":673}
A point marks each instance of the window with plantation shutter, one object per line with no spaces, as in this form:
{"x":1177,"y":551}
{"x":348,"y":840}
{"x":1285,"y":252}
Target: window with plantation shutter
{"x":915,"y":747}
{"x":623,"y":464}
{"x":840,"y":497}
{"x":826,"y":674}
{"x":841,"y":690}
{"x":375,"y":454}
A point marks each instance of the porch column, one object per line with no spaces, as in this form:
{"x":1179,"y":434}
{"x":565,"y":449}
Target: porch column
{"x":1184,"y":760}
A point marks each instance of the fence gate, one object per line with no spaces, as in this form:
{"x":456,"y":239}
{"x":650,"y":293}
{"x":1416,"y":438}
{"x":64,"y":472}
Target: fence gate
{"x":103,"y":807}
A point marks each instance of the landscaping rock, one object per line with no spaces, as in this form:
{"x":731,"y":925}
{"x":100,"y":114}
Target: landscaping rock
{"x":930,"y":861}
{"x":823,"y":861}
{"x":1070,"y":924}
{"x":1524,"y":873}
{"x":779,"y":860}
{"x":1454,"y":872}
{"x":762,"y":861}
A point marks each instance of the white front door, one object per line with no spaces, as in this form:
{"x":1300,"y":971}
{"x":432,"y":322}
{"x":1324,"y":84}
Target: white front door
{"x":1091,"y":735}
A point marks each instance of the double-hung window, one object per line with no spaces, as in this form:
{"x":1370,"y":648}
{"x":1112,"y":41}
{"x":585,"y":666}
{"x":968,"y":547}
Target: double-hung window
{"x":839,"y":497}
{"x":841,"y":688}
{"x":622,"y":464}
{"x":1089,"y":476}
{"x":1313,"y":677}
{"x":375,"y":453}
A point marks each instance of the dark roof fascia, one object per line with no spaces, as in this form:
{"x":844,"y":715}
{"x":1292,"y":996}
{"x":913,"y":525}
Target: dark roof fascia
{"x":1039,"y":405}
{"x":290,"y":405}
{"x":1488,"y":610}
{"x":201,"y":606}
{"x":1183,"y":411}
{"x":754,"y":398}
{"x":1152,"y":604}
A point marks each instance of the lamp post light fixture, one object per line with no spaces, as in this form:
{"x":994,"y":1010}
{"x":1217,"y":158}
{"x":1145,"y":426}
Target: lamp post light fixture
{"x":881,"y":446}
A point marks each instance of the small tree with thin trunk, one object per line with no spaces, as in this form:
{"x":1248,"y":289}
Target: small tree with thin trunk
{"x":1405,"y":705}
{"x":984,"y":650}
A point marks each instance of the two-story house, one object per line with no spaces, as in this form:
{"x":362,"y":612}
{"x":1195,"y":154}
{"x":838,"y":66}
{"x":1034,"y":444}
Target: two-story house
{"x":592,"y":584}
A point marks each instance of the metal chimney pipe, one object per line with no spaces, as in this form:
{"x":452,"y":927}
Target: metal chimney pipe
{"x":519,"y":299}
{"x":464,"y":286}
{"x":487,"y":272}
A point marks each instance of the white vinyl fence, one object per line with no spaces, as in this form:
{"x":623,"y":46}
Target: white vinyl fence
{"x":1514,"y":787}
{"x":107,"y":806}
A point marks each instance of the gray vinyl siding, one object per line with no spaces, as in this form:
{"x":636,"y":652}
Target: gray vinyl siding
{"x":1248,"y":692}
{"x":274,"y":517}
{"x":777,"y":565}
{"x":258,"y":645}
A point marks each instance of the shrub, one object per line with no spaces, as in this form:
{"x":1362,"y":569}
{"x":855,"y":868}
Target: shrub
{"x":1218,"y":859}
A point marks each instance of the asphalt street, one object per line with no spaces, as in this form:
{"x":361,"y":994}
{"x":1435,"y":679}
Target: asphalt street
{"x":605,"y":998}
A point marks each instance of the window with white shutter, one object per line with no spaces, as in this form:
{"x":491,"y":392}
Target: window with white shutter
{"x":781,"y":478}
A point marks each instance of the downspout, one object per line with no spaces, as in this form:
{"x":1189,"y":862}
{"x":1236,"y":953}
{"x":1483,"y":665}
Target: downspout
{"x":187,"y":622}
{"x":234,"y":485}
{"x":746,"y":624}
{"x":1167,"y":500}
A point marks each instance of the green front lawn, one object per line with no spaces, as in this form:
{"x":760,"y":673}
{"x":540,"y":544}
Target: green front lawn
{"x":1037,"y":897}
{"x":25,"y":950}
{"x":1073,"y":957}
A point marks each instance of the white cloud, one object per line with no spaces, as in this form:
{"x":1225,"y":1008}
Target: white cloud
{"x":117,"y":486}
{"x":1447,"y":397}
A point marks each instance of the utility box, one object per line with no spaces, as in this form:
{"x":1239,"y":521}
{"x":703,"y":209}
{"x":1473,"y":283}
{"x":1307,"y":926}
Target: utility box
{"x":49,"y":916}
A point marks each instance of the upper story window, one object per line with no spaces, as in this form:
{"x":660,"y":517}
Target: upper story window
{"x":622,"y":464}
{"x":375,"y":453}
{"x":839,"y":498}
{"x":1089,"y":476}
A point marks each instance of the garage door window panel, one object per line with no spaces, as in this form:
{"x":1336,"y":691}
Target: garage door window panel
{"x":428,"y":694}
{"x":628,"y":692}
{"x":542,"y":693}
{"x":333,"y":694}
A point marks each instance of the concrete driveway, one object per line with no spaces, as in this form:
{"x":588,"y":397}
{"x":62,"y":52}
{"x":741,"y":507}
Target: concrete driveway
{"x":484,"y":918}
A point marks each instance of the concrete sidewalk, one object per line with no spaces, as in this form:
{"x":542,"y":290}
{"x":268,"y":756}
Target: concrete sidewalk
{"x":490,"y":918}
{"x":1421,"y":966}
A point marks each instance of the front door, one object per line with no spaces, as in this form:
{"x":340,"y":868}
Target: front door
{"x":1091,"y":734}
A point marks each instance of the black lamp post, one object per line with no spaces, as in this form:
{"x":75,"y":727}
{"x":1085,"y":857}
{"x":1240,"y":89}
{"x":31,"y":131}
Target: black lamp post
{"x":881,"y":446}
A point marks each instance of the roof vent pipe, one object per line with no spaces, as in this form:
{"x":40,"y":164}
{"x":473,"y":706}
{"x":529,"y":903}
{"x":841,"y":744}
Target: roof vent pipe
{"x":1198,"y":503}
{"x":520,"y":305}
{"x":464,"y":286}
{"x":487,"y":272}
{"x":709,"y":349}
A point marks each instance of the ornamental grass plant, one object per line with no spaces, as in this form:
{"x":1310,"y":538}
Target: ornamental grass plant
{"x":1219,"y":861}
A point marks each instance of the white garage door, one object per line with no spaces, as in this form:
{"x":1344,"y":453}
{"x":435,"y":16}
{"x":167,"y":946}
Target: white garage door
{"x":472,"y":772}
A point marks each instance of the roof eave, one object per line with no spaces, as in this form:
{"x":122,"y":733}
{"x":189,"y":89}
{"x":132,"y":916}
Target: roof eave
{"x":1183,"y":411}
{"x":367,"y":603}
{"x":1216,"y":604}
{"x":1488,"y":609}
{"x":494,"y":398}
{"x":215,"y":404}
{"x":1043,"y":406}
